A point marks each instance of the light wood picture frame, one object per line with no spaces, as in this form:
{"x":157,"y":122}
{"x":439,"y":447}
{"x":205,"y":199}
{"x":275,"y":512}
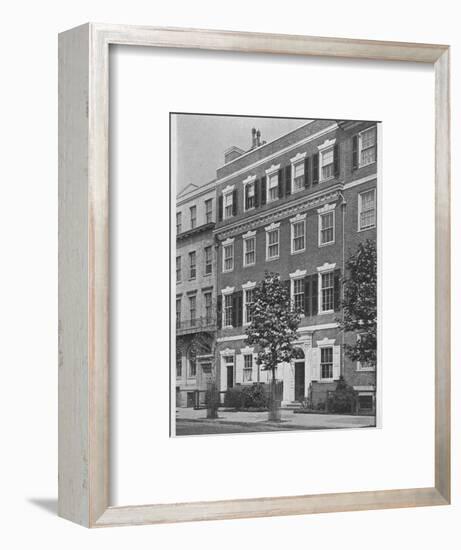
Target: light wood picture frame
{"x":84,"y":451}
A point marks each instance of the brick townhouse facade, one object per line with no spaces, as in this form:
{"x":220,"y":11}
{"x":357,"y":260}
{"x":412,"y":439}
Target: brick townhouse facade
{"x":195,"y":265}
{"x":298,"y":206}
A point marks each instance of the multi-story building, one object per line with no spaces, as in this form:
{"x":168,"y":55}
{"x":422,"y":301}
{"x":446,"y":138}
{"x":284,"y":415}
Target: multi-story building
{"x":195,"y":292}
{"x":298,"y":206}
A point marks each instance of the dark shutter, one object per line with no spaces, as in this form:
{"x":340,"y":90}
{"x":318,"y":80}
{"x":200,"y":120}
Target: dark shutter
{"x":288,"y":180}
{"x":234,"y":202}
{"x":307,"y":172}
{"x":234,"y":309}
{"x":220,"y":206}
{"x":314,"y":294}
{"x":336,"y":159}
{"x":239,"y":303}
{"x":337,"y":289}
{"x":307,"y":294}
{"x":315,"y":169}
{"x":256,"y":199}
{"x":246,"y":196}
{"x":280,"y":178}
{"x":219,"y":312}
{"x":263,"y":190}
{"x":355,"y":152}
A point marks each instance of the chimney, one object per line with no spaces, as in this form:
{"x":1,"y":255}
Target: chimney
{"x":253,"y":138}
{"x":258,"y":138}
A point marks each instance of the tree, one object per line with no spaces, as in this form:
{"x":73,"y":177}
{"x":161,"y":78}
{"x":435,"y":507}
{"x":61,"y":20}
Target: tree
{"x":273,"y":328}
{"x":360,"y":303}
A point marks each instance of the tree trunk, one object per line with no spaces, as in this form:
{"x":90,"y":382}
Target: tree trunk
{"x":275,"y":414}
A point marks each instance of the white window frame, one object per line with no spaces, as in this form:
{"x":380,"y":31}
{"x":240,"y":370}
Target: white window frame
{"x":296,"y":276}
{"x":274,"y":169}
{"x":210,"y":211}
{"x":329,"y":378}
{"x":298,"y":159}
{"x":228,"y":191}
{"x":250,"y":235}
{"x":323,"y":270}
{"x":228,"y":291}
{"x":269,"y":229}
{"x":193,"y":208}
{"x":360,"y":164}
{"x":326,"y":147}
{"x":244,"y":369}
{"x":250,"y":180}
{"x":210,"y":247}
{"x":225,"y":244}
{"x":322,"y":212}
{"x":250,"y":285}
{"x":293,"y":221}
{"x":192,"y":253}
{"x":178,"y":216}
{"x":178,"y":271}
{"x":359,"y":209}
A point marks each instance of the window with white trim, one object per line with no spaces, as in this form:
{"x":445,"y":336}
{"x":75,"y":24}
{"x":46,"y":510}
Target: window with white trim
{"x":298,"y":238}
{"x":208,"y":308}
{"x":298,"y":177}
{"x":249,"y":298}
{"x":178,"y":222}
{"x":227,"y":310}
{"x":178,"y":269}
{"x":273,"y":248}
{"x":367,"y":209}
{"x":249,"y":251}
{"x":193,"y":217}
{"x":326,"y":164}
{"x":228,"y":257}
{"x":273,"y":187}
{"x":178,"y":312}
{"x":193,"y":310}
{"x":367,"y":140}
{"x":192,"y":265}
{"x":298,"y":294}
{"x":326,"y":228}
{"x":208,"y":260}
{"x":228,"y":205}
{"x":327,"y":291}
{"x":208,"y":210}
{"x":326,"y":363}
{"x":362,"y":365}
{"x":248,"y":367}
{"x":249,"y":196}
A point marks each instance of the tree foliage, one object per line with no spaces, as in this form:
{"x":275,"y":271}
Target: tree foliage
{"x":274,"y":323}
{"x":360,"y":303}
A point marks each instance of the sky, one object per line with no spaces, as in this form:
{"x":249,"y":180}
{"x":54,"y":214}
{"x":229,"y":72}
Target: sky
{"x":202,"y":140}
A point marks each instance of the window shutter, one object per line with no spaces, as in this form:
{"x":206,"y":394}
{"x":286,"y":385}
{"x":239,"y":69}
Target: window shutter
{"x":234,"y":202}
{"x":307,"y":172}
{"x":288,"y":180}
{"x":256,"y":198}
{"x":337,"y":289}
{"x":336,"y":362}
{"x":314,"y":294}
{"x":239,"y":368}
{"x":234,"y":309}
{"x":315,"y":356}
{"x":219,"y":312}
{"x":239,"y":302}
{"x":315,"y":169}
{"x":280,"y":178}
{"x":246,"y":196}
{"x":355,"y":152}
{"x":307,"y":301}
{"x":254,"y":368}
{"x":263,"y":191}
{"x":220,"y":208}
{"x":336,"y":159}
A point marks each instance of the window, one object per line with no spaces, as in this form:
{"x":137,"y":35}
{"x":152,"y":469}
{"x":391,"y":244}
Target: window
{"x":208,"y":260}
{"x":228,"y":206}
{"x":228,"y":310}
{"x":298,"y":177}
{"x":247,"y":368}
{"x":249,"y":196}
{"x":178,"y":364}
{"x":209,"y":211}
{"x":368,"y":146}
{"x":193,"y":217}
{"x":249,"y":297}
{"x":228,"y":257}
{"x":327,"y":291}
{"x":272,"y":244}
{"x":273,"y":187}
{"x":192,"y":265}
{"x":298,"y":294}
{"x":193,"y":310}
{"x":298,"y":230}
{"x":178,"y":269}
{"x":249,"y":255}
{"x":192,"y":365}
{"x":327,"y":164}
{"x":178,"y":312}
{"x":178,"y":222}
{"x":363,"y":365}
{"x":326,"y":362}
{"x":327,"y":225}
{"x":367,"y":210}
{"x":208,"y":308}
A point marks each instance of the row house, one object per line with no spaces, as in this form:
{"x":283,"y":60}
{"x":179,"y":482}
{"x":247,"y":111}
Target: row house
{"x":195,"y":292}
{"x":297,"y":206}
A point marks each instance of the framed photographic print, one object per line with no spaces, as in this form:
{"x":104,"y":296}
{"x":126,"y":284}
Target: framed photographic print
{"x":247,"y":222}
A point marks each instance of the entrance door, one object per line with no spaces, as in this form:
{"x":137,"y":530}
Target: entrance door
{"x":299,"y":381}
{"x":230,"y":377}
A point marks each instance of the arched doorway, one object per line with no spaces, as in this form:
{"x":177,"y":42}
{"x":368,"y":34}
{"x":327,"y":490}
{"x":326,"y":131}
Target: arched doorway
{"x":300,"y":375}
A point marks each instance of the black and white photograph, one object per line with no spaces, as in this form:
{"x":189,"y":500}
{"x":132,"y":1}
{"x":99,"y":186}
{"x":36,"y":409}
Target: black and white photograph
{"x":275,"y":254}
